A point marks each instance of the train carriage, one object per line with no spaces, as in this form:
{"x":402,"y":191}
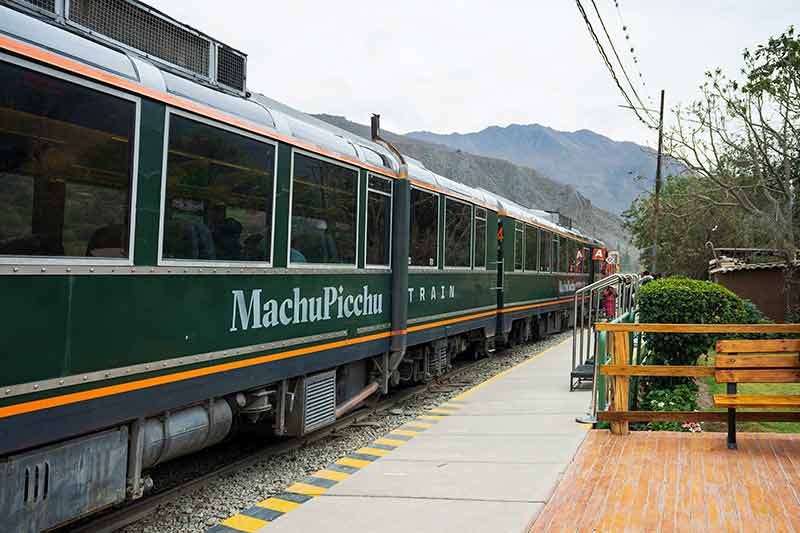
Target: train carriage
{"x":179,"y":256}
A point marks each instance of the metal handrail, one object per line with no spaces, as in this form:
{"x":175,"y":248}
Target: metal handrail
{"x":627,"y":286}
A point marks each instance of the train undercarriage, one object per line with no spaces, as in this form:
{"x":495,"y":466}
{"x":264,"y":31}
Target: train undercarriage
{"x":107,"y":468}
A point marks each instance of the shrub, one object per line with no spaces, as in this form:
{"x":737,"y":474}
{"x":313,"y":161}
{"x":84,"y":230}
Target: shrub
{"x":687,"y":301}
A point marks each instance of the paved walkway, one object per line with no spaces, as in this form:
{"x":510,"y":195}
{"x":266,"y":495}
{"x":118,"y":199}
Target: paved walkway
{"x":663,"y":481}
{"x":491,"y":465}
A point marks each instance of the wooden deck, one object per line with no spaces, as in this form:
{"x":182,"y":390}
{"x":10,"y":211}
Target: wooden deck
{"x":663,"y":481}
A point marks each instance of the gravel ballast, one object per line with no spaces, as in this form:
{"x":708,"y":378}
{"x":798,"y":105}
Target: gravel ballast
{"x":199,"y":510}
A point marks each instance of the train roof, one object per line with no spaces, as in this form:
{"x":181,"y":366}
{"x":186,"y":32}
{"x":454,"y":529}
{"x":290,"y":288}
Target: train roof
{"x":269,"y":116}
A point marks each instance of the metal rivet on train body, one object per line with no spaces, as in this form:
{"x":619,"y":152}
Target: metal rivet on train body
{"x":44,"y":269}
{"x":16,"y":269}
{"x":133,"y":270}
{"x":107,"y":374}
{"x":69,"y":269}
{"x":85,"y":378}
{"x":152,"y":270}
{"x":8,"y":391}
{"x":91,"y":270}
{"x":35,"y":387}
{"x":60,"y":381}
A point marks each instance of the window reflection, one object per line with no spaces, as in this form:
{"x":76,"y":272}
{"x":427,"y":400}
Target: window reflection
{"x":519,"y":237}
{"x":379,"y":214}
{"x":323,"y":212}
{"x":531,"y":247}
{"x":218,"y":203}
{"x":457,"y":231}
{"x":554,"y":266}
{"x":65,"y":167}
{"x":424,"y":245}
{"x":480,"y":238}
{"x":544,"y":250}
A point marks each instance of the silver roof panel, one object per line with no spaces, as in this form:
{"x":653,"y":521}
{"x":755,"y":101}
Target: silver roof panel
{"x":229,"y":103}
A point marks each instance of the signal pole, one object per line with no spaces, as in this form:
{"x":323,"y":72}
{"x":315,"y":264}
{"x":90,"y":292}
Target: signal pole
{"x":657,"y":201}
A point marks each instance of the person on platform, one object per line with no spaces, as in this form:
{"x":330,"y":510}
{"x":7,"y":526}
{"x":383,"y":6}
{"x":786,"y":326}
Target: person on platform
{"x":610,"y":302}
{"x":647,"y":277}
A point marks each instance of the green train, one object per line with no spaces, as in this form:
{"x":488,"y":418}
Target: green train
{"x":180,"y":256}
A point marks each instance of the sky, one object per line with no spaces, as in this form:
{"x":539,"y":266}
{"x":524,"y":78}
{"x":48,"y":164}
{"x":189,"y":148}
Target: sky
{"x":461,"y":66}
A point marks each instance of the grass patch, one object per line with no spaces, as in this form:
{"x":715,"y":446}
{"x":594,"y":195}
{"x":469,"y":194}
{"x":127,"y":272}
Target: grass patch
{"x":753,"y":388}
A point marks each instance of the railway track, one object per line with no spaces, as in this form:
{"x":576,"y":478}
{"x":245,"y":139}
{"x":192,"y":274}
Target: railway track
{"x":121,"y":517}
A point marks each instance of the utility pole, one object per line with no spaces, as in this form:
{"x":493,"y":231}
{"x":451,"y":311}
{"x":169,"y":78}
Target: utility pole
{"x":657,"y":201}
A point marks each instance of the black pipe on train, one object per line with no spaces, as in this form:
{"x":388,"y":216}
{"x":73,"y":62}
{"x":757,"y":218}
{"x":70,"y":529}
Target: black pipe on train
{"x":401,"y":216}
{"x":400,"y":238}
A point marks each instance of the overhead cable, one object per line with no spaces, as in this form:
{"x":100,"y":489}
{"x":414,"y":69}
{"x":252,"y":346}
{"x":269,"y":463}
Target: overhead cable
{"x":608,"y":64}
{"x":632,"y":51}
{"x":621,"y":65}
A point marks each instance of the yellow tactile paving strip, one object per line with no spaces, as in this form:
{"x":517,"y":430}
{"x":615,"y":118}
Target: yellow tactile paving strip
{"x":319,"y":483}
{"x":262,"y":513}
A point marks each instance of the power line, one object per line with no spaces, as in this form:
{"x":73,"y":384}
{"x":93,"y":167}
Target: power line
{"x":608,"y":63}
{"x":619,"y":60}
{"x":625,"y":31}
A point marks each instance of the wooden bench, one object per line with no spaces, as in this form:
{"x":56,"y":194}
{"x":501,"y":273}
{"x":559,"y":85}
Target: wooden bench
{"x":760,"y":361}
{"x":755,"y":361}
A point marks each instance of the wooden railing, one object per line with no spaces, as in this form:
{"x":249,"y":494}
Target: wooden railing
{"x":620,"y":370}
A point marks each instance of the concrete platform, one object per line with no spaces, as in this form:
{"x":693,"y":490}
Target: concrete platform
{"x":491,"y":465}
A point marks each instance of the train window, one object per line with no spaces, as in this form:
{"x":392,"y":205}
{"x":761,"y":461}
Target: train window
{"x":324,"y":199}
{"x":218,"y":194}
{"x":424,"y":245}
{"x":480,"y":238}
{"x":66,"y":160}
{"x":519,"y":238}
{"x":563,"y":255}
{"x":457,"y":233}
{"x":567,"y":255}
{"x":554,"y":266}
{"x":544,"y":250}
{"x":531,"y":247}
{"x":379,"y":221}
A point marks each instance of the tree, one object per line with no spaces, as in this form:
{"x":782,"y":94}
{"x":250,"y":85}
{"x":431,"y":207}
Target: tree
{"x":740,"y":140}
{"x":687,"y":224}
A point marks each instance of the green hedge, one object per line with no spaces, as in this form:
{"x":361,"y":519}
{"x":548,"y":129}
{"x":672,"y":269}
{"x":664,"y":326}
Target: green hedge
{"x":687,"y":301}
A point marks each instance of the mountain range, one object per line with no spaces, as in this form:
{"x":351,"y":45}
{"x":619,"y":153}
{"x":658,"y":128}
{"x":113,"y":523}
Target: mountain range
{"x":524,"y":184}
{"x":607,"y":171}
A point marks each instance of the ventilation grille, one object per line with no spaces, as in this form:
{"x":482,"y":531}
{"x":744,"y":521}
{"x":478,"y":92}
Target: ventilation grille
{"x":320,"y":401}
{"x":44,"y":5}
{"x":231,"y":68}
{"x":137,"y":27}
{"x":144,"y":30}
